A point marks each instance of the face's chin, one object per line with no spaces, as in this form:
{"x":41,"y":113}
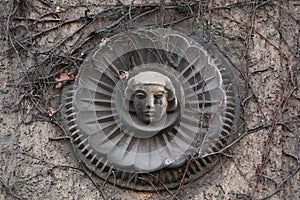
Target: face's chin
{"x":147,"y":118}
{"x":150,"y":117}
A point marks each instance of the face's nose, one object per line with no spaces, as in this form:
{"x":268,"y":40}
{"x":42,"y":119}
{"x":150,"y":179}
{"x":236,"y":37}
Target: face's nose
{"x":149,"y":102}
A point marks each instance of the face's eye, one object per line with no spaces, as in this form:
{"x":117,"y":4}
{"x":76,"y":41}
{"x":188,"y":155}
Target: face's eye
{"x":159,"y":95}
{"x":140,"y":95}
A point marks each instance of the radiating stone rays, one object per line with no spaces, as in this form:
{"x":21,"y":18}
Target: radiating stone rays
{"x":95,"y":111}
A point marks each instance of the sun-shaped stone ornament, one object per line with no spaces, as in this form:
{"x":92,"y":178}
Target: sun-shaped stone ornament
{"x":147,"y":108}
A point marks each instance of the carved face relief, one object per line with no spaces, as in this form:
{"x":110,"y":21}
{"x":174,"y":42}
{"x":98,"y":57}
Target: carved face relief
{"x":139,"y":112}
{"x":150,"y":103}
{"x":151,"y":96}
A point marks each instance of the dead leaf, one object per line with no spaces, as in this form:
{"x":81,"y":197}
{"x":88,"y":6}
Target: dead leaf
{"x":63,"y":76}
{"x":123,"y":74}
{"x":51,"y":111}
{"x":104,"y":42}
{"x":59,"y":9}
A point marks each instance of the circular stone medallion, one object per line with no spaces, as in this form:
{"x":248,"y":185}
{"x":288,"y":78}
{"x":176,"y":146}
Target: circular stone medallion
{"x":148,"y":106}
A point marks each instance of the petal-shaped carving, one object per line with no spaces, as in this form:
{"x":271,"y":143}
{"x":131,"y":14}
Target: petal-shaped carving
{"x":102,"y":118}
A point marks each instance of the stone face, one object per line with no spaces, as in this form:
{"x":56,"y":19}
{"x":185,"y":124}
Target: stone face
{"x":151,"y":93}
{"x":145,"y":102}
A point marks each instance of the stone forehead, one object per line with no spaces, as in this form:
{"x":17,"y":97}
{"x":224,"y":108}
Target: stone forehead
{"x":149,"y":77}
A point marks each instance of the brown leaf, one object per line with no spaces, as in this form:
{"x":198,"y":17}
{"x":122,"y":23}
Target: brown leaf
{"x":123,"y":74}
{"x":63,"y":76}
{"x":51,"y":111}
{"x":59,"y":9}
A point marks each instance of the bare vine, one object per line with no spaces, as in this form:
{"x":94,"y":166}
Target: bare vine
{"x":47,"y":57}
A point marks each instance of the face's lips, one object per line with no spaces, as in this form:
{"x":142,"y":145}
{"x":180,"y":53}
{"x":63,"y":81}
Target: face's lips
{"x":149,"y":113}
